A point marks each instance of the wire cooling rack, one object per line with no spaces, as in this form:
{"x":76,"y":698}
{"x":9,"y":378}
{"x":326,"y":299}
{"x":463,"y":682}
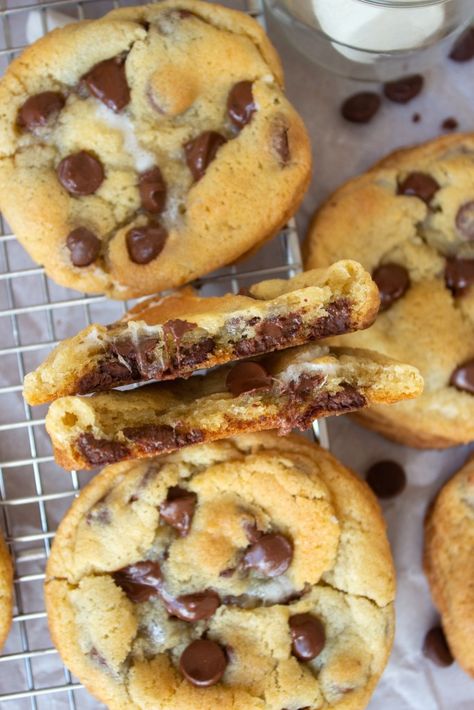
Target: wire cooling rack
{"x":35,"y":314}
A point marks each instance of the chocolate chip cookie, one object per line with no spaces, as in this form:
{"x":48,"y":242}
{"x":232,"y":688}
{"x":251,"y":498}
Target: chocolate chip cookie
{"x":449,"y":549}
{"x":6,"y":591}
{"x":147,"y":148}
{"x":252,"y":574}
{"x":410,"y":222}
{"x":281,"y":391}
{"x":172,"y":336}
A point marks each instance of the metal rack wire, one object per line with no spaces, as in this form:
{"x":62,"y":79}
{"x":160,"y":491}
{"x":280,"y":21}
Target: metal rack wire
{"x":34,"y":493}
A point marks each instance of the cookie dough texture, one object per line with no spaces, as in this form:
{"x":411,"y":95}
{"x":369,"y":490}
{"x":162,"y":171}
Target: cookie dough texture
{"x":449,"y":549}
{"x":171,"y":336}
{"x":127,"y":654}
{"x":182,"y":59}
{"x":6,"y":591}
{"x":431,"y":326}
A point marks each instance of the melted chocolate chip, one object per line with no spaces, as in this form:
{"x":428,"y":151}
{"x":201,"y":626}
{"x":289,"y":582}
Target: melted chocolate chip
{"x":251,"y":530}
{"x":270,"y":556}
{"x":449,"y":124}
{"x":307,"y":635}
{"x":247,"y":377}
{"x":405,"y":89}
{"x":419,"y":185}
{"x":319,"y":403}
{"x":80,"y":173}
{"x":436,"y":647}
{"x":178,"y":509}
{"x":392,"y":281}
{"x":281,"y":143}
{"x":101,"y":451}
{"x":162,"y":438}
{"x":386,"y":478}
{"x":193,"y":607}
{"x":177,"y":327}
{"x":465,"y":220}
{"x":459,"y":275}
{"x":145,"y":243}
{"x":99,"y":515}
{"x":361,"y":108}
{"x":140,"y":581}
{"x":107,"y":82}
{"x":203,"y":662}
{"x":463,"y":377}
{"x":39,"y":110}
{"x":83,"y":245}
{"x":240,"y":104}
{"x":463,"y":48}
{"x":152,"y":188}
{"x":201,"y":151}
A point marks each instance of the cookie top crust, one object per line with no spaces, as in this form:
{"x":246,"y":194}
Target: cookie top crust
{"x":139,"y":150}
{"x":283,"y":551}
{"x":409,"y":221}
{"x":449,"y":545}
{"x":6,"y":591}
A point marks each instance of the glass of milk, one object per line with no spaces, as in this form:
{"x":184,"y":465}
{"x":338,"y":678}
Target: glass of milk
{"x":372,"y":39}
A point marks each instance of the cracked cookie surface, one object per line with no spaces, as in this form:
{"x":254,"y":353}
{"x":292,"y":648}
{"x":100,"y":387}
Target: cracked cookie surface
{"x":410,"y":222}
{"x":139,"y":151}
{"x":6,"y":591}
{"x":449,"y":547}
{"x":262,"y":555}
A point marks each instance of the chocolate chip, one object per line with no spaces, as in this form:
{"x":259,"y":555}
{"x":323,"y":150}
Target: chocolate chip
{"x":463,"y":48}
{"x":80,"y":173}
{"x":281,"y":143}
{"x":463,"y":377}
{"x":246,"y":377}
{"x":419,"y":185}
{"x":416,"y":118}
{"x":270,"y":556}
{"x":201,"y":151}
{"x":392,"y":281}
{"x":251,"y":530}
{"x":152,"y":188}
{"x":40,"y":109}
{"x":361,"y":108}
{"x":203,"y":662}
{"x":99,"y":515}
{"x":459,"y":275}
{"x":270,"y":330}
{"x":307,"y":635}
{"x":386,"y":478}
{"x":436,"y":647}
{"x":145,"y":243}
{"x":403,"y":90}
{"x":449,"y":124}
{"x":101,"y":451}
{"x":107,"y":82}
{"x":178,"y":509}
{"x":465,"y":220}
{"x":140,"y":581}
{"x":240,"y":104}
{"x":83,"y":245}
{"x":193,"y":607}
{"x":177,"y":327}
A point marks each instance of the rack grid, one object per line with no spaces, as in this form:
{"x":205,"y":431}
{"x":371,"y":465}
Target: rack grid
{"x":35,"y":314}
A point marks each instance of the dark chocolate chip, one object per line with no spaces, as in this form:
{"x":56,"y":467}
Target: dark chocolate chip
{"x":465,"y":220}
{"x":246,"y":377}
{"x":140,"y":581}
{"x":281,"y":142}
{"x":463,"y":48}
{"x":240,"y":104}
{"x":201,"y":151}
{"x":361,"y":108}
{"x":450,"y":124}
{"x":307,"y":635}
{"x":463,"y":377}
{"x":80,"y":173}
{"x":270,"y":330}
{"x":40,"y":109}
{"x":416,"y":118}
{"x":193,"y":607}
{"x":83,"y":245}
{"x":392,"y":281}
{"x":152,"y":188}
{"x":107,"y":82}
{"x":386,"y":478}
{"x":99,"y":515}
{"x":270,"y":556}
{"x":145,"y":243}
{"x":251,"y":530}
{"x":403,"y":90}
{"x":459,"y":275}
{"x":101,"y":451}
{"x":177,"y":327}
{"x":436,"y":647}
{"x":419,"y":185}
{"x":178,"y":509}
{"x":203,"y":662}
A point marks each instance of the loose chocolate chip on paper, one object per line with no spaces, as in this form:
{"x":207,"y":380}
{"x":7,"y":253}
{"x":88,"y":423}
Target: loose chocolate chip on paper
{"x":140,"y":581}
{"x":240,"y":104}
{"x":463,"y":377}
{"x":450,"y":124}
{"x":459,"y":275}
{"x":270,"y":556}
{"x":152,"y":188}
{"x":201,"y":151}
{"x":403,"y":90}
{"x":386,"y":478}
{"x":307,"y":635}
{"x":392,"y":281}
{"x":247,"y":377}
{"x":80,"y":173}
{"x":203,"y":662}
{"x":107,"y":82}
{"x":416,"y":118}
{"x":436,"y":647}
{"x":178,"y":509}
{"x":419,"y":185}
{"x":361,"y":107}
{"x":83,"y":245}
{"x":463,"y":48}
{"x":465,"y":220}
{"x":145,"y":243}
{"x":39,"y":110}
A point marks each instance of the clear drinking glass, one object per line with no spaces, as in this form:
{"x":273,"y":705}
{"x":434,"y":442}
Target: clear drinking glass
{"x":372,"y":40}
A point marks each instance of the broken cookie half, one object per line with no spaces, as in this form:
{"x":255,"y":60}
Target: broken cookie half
{"x":282,"y":391}
{"x":168,"y":337}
